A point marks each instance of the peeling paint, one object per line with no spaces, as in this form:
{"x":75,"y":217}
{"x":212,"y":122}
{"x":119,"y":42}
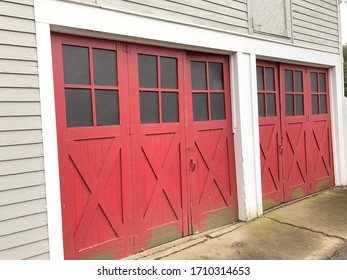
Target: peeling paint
{"x":163,"y":235}
{"x":297,"y":193}
{"x":323,"y":184}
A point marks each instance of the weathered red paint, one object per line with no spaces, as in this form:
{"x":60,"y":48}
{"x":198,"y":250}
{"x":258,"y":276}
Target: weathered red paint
{"x":296,"y":151}
{"x":127,"y":187}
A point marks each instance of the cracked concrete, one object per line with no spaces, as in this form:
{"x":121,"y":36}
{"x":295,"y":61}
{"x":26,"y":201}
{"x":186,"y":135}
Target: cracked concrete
{"x":314,"y":228}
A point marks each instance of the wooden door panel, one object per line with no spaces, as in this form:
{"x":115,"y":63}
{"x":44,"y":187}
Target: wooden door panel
{"x":210,"y":149}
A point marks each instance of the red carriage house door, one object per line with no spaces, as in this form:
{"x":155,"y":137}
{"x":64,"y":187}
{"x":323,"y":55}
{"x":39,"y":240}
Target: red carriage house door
{"x":295,"y":124}
{"x":94,"y":147}
{"x":160,"y":182}
{"x":295,"y":143}
{"x":320,"y":151}
{"x":271,"y":150}
{"x":125,"y":112}
{"x":210,"y":147}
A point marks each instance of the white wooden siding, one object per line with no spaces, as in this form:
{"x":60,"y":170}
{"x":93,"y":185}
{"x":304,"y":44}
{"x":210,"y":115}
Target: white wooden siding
{"x":315,"y":24}
{"x":230,"y":15}
{"x":23,"y":217}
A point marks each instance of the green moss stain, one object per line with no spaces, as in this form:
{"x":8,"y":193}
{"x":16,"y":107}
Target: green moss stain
{"x":297,"y":193}
{"x":163,"y":235}
{"x":107,"y":254}
{"x":217,"y":219}
{"x":269,"y":203}
{"x":323,"y":184}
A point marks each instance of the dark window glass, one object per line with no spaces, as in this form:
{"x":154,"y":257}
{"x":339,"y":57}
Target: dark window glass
{"x":314,"y":98}
{"x":322,"y":83}
{"x":198,"y":75}
{"x":216,"y":75}
{"x":323,"y":104}
{"x":149,"y":109}
{"x":169,"y":107}
{"x":261,"y":105}
{"x":289,"y":104}
{"x":314,"y":86}
{"x":148,"y":73}
{"x":105,"y":67}
{"x":288,"y":80}
{"x":76,"y":65}
{"x":270,"y":78}
{"x":200,"y":110}
{"x":271,"y":104}
{"x":217,"y":106}
{"x":78,"y":107}
{"x":299,"y":104}
{"x":260,"y":78}
{"x":168,"y":72}
{"x":107,"y":110}
{"x":298,"y":81}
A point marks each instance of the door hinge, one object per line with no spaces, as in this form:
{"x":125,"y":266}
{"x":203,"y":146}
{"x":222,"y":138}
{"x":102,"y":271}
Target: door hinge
{"x":130,"y":130}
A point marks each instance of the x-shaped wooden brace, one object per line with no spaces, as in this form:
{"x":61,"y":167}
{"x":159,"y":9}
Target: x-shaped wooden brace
{"x":265,"y":152}
{"x":212,"y":165}
{"x":294,"y":150}
{"x":161,"y":173}
{"x":319,"y":146}
{"x":96,"y":187}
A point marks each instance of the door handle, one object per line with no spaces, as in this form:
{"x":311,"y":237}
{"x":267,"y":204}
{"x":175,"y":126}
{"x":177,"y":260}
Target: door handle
{"x":281,"y":149}
{"x":192,"y":165}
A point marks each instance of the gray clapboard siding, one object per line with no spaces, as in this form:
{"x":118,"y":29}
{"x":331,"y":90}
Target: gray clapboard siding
{"x":21,"y":166}
{"x":23,"y":223}
{"x":20,"y":152}
{"x":17,"y":24}
{"x":17,"y":9}
{"x":20,"y":95}
{"x":23,"y":194}
{"x":12,"y":182}
{"x":25,"y":208}
{"x":23,"y":217}
{"x":25,"y":251}
{"x":315,"y":24}
{"x":44,"y":256}
{"x":20,"y":123}
{"x":19,"y":108}
{"x":23,"y":237}
{"x":230,"y":15}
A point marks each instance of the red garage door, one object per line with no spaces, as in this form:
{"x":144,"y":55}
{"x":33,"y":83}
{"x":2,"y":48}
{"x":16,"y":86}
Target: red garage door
{"x":295,"y":136}
{"x":139,"y":145}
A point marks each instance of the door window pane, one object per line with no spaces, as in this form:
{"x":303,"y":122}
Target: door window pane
{"x":260,"y":78}
{"x":78,"y":107}
{"x":105,"y":67}
{"x":289,"y":104}
{"x":270,"y":79}
{"x":198,"y":75}
{"x":107,"y":110}
{"x":148,"y":73}
{"x":169,"y":107}
{"x":288,"y":80}
{"x":76,"y":65}
{"x":298,"y":81}
{"x":149,"y":110}
{"x":168,"y":72}
{"x":215,"y":75}
{"x":323,"y":104}
{"x":217,"y":106}
{"x":314,"y":86}
{"x":271,"y":104}
{"x":261,"y":105}
{"x":200,"y":110}
{"x":314,"y":99}
{"x":299,"y":104}
{"x":322,"y":83}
